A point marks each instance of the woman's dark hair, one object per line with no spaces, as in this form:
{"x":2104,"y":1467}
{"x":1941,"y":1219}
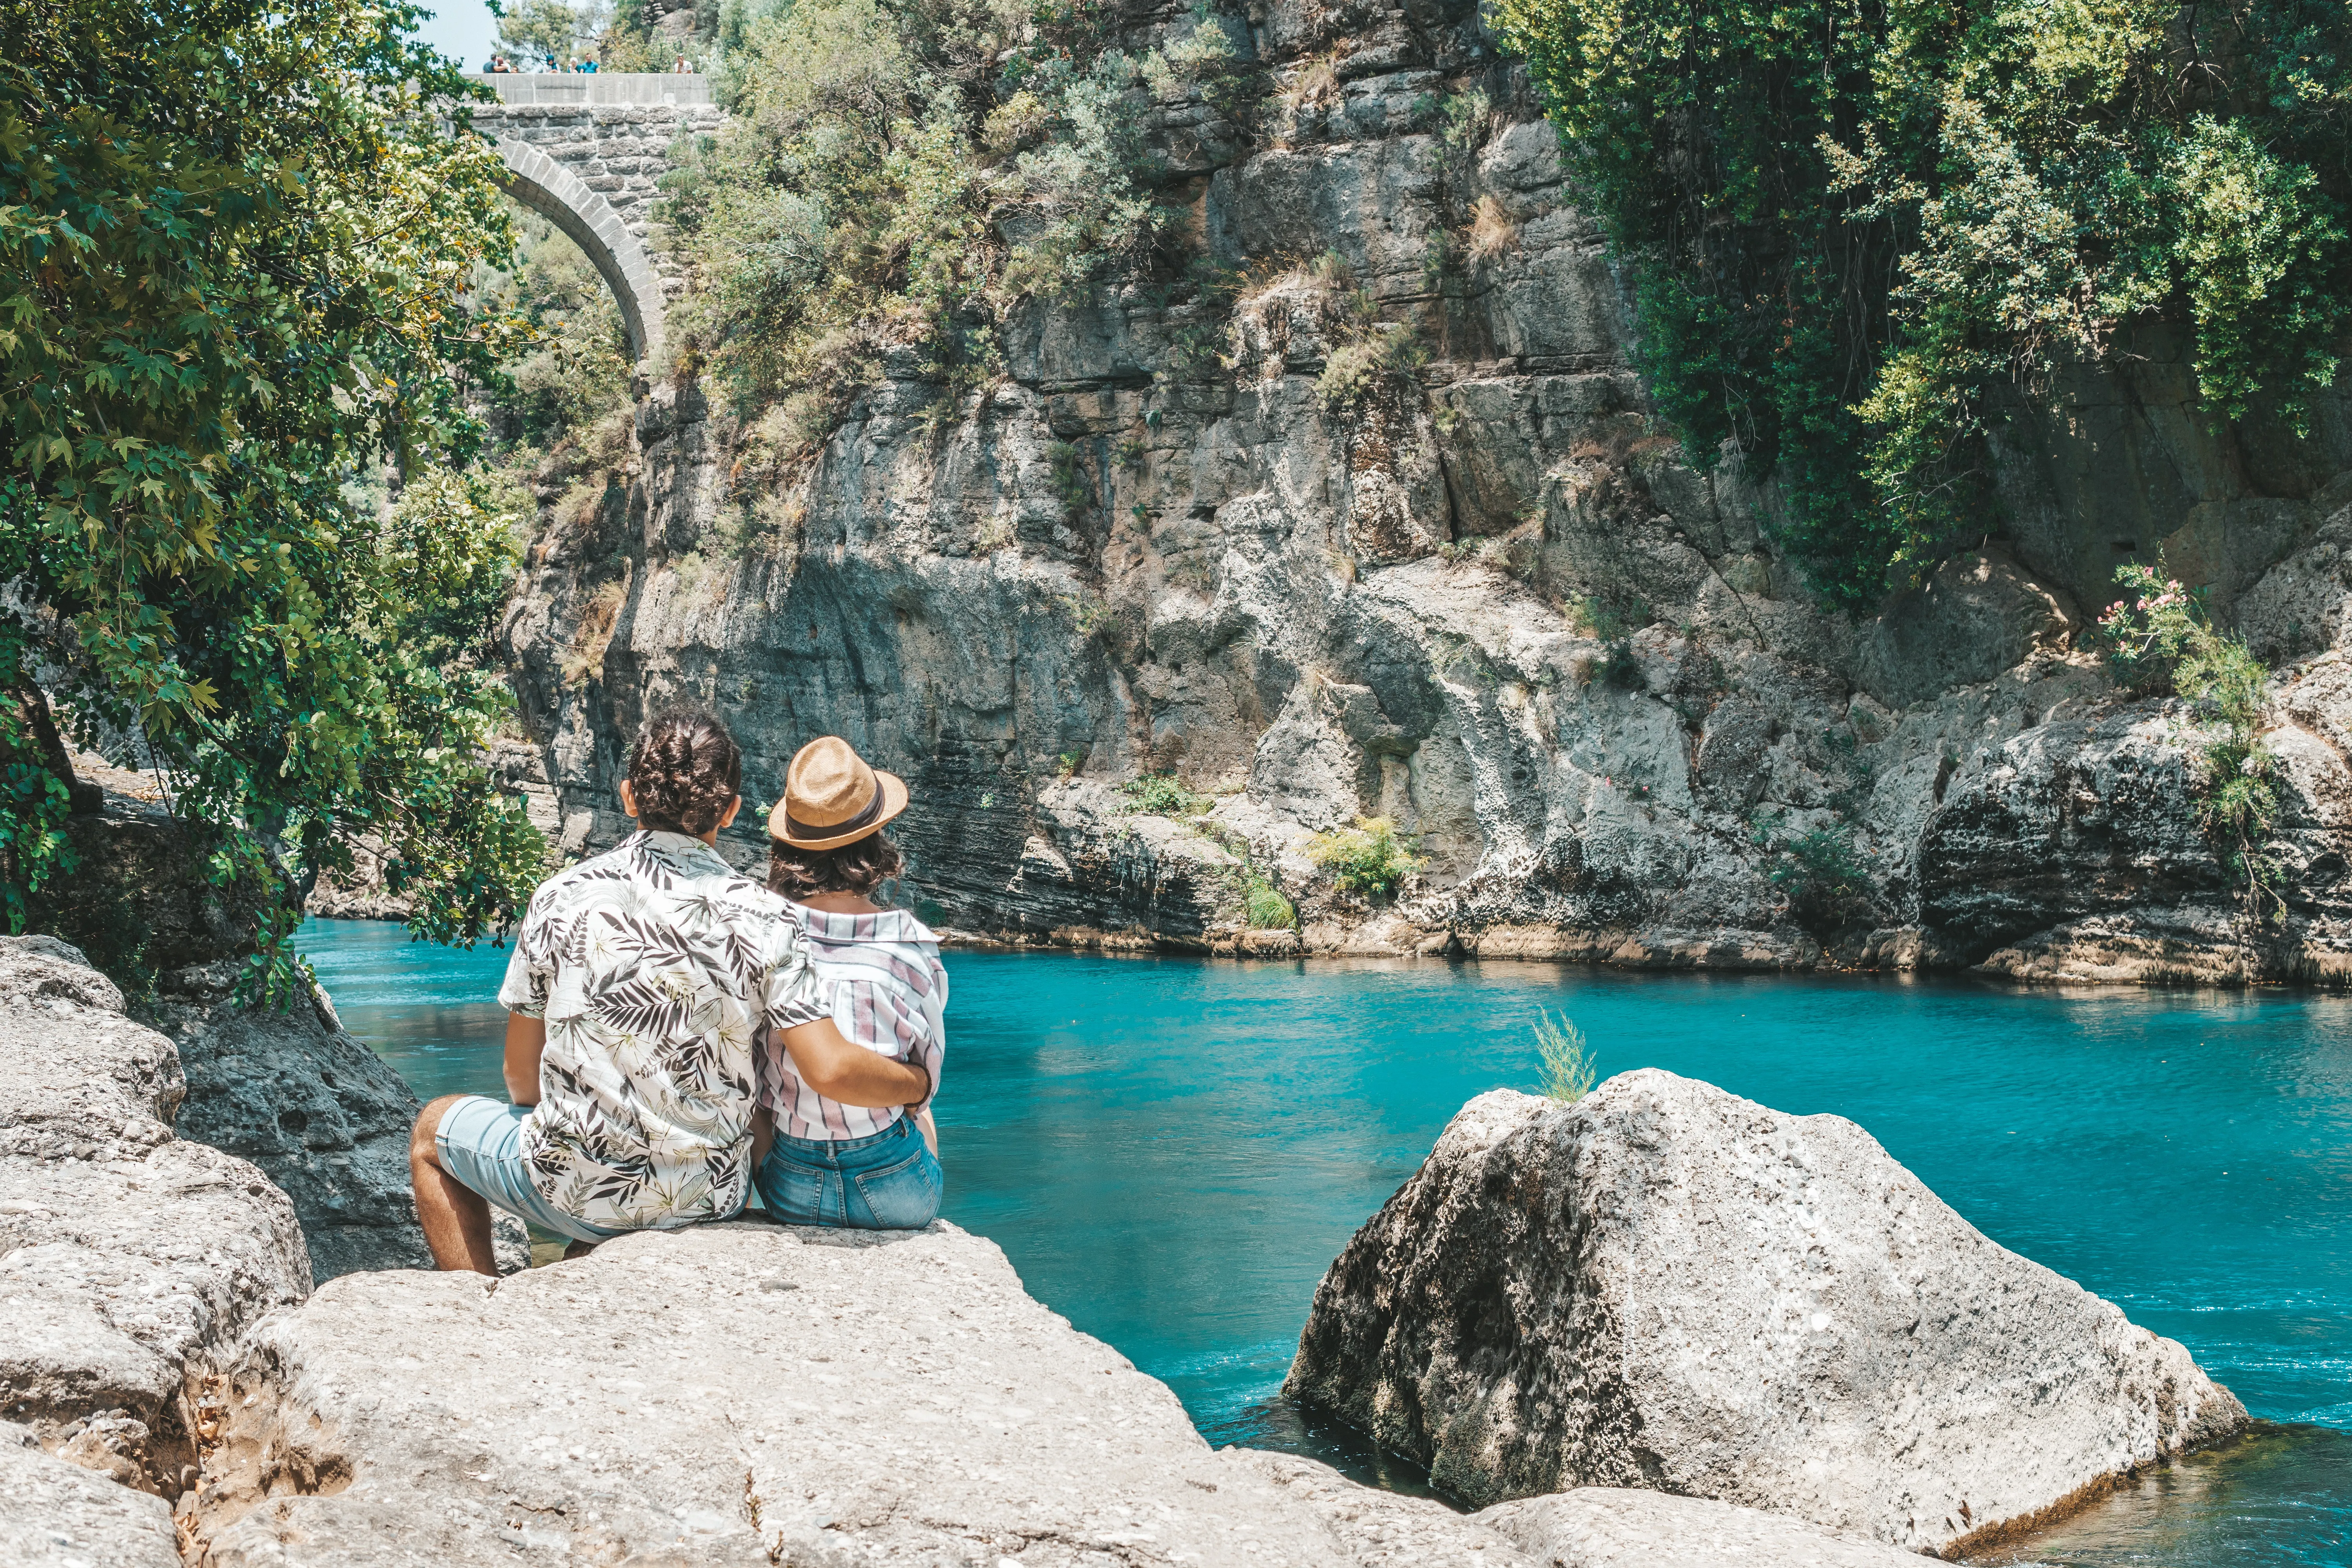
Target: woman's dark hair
{"x":858,"y":868}
{"x":683,"y":771}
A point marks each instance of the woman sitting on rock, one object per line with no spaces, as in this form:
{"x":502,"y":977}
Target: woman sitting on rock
{"x":835,"y":1162}
{"x":642,"y":981}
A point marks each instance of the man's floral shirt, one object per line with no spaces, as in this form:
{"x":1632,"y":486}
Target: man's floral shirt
{"x":655,"y":966}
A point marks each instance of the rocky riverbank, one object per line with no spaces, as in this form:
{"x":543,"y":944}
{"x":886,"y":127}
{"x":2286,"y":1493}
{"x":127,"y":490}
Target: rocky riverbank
{"x":287,"y":1087}
{"x":1537,"y":1311}
{"x":1489,"y":599}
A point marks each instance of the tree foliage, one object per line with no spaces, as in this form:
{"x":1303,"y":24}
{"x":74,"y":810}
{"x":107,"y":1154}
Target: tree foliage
{"x":1856,"y":227}
{"x":2161,"y":639}
{"x":552,"y":30}
{"x":236,"y":246}
{"x":902,"y":173}
{"x":575,"y":369}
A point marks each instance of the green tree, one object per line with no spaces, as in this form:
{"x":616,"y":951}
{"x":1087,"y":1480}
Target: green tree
{"x":218,"y":318}
{"x":540,"y":28}
{"x":1859,"y":232}
{"x":903,"y":171}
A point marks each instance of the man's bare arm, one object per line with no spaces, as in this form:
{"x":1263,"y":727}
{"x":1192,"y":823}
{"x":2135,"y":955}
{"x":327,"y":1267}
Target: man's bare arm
{"x":526,"y":1043}
{"x":840,"y":1069}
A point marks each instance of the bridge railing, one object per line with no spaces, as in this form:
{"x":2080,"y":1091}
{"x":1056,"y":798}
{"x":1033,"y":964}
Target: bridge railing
{"x":566,"y":88}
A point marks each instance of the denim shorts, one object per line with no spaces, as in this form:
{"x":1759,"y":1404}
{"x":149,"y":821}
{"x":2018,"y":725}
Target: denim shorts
{"x":891,"y":1181}
{"x":480,"y":1143}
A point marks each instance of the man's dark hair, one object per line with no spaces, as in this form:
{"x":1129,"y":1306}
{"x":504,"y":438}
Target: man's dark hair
{"x":683,"y":771}
{"x":858,"y":868}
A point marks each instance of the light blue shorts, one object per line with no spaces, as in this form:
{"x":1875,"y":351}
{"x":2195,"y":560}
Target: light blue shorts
{"x":480,"y":1143}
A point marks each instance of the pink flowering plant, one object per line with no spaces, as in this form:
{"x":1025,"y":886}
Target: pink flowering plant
{"x":2160,"y":639}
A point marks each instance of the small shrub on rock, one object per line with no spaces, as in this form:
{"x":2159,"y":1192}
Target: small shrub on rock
{"x":1164,"y":794}
{"x":1263,"y":906}
{"x":1823,"y":874}
{"x":1491,"y":232}
{"x":1381,"y":358}
{"x":2161,"y":638}
{"x":1619,"y":667}
{"x":1368,"y":859}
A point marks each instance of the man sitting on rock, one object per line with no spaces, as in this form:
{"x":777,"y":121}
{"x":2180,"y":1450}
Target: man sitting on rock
{"x":640,"y":983}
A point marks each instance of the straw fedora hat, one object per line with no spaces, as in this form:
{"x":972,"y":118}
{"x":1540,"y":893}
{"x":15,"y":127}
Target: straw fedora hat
{"x":832,"y":798}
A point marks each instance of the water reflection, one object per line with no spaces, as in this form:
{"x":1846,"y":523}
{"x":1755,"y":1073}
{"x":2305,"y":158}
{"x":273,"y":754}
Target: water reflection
{"x":2276,"y":1497}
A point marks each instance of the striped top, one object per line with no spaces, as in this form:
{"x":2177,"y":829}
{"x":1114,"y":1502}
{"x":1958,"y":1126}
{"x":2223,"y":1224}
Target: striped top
{"x":889,"y":994}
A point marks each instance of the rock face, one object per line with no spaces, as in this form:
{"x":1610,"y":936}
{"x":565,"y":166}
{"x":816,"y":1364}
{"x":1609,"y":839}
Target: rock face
{"x":1667,"y":1287}
{"x":1592,"y":1527}
{"x":322,"y":1114}
{"x":1490,"y":600}
{"x":129,"y":1259}
{"x":749,"y":1393}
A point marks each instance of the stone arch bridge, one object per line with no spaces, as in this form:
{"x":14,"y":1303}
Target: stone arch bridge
{"x":586,"y":151}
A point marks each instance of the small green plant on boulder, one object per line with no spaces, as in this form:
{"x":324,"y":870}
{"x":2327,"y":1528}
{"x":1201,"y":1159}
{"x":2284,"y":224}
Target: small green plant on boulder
{"x":1567,"y":1062}
{"x":1620,"y":666}
{"x":1376,"y":357}
{"x":1263,"y":906}
{"x":1598,"y":617}
{"x":2161,"y":639}
{"x":1164,"y":794}
{"x":1368,"y":858}
{"x":1071,"y":486}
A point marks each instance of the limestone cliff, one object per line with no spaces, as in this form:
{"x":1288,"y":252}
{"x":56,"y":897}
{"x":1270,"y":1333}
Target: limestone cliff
{"x":1481,"y":594}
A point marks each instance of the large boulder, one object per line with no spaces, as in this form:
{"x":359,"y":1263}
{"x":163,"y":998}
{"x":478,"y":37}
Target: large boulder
{"x":56,"y":1515}
{"x":287,"y":1087}
{"x":1667,"y":1287}
{"x":730,"y":1393}
{"x":131,"y":1260}
{"x":1379,"y":1529}
{"x":291,"y":1090}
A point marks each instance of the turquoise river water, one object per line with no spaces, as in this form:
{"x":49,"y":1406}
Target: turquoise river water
{"x":1171,"y":1151}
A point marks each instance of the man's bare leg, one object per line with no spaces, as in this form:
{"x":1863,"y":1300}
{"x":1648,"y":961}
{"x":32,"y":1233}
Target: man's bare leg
{"x":456,"y":1218}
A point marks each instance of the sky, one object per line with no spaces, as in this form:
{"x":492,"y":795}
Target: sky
{"x":463,"y":30}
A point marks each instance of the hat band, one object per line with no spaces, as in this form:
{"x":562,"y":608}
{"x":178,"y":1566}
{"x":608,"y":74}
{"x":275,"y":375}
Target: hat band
{"x":796,"y":828}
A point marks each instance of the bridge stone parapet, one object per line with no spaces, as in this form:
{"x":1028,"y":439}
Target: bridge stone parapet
{"x":587,"y":151}
{"x":559,"y":87}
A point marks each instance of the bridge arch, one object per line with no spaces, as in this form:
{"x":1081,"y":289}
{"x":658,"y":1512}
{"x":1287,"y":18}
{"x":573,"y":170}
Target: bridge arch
{"x":563,"y":198}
